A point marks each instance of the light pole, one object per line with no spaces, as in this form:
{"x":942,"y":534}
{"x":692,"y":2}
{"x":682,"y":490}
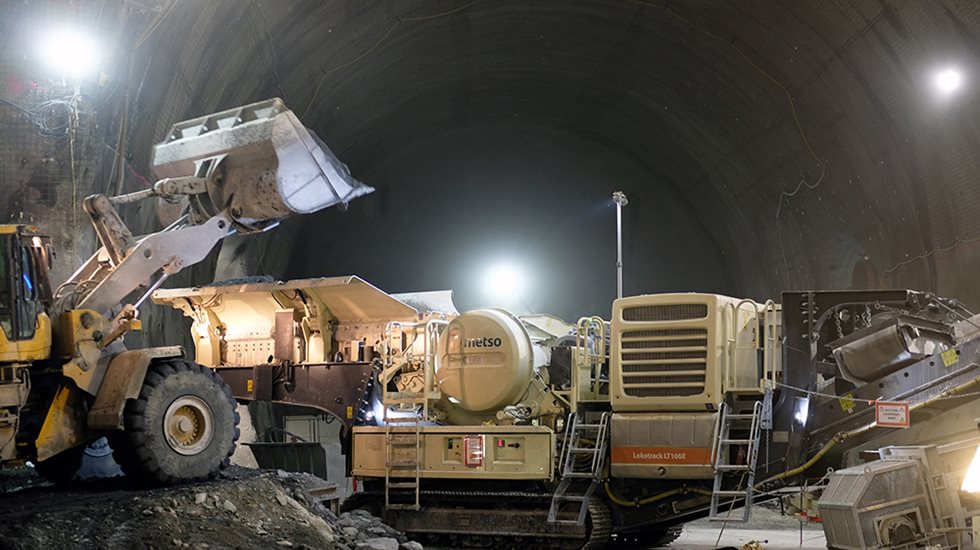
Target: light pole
{"x":620,"y":199}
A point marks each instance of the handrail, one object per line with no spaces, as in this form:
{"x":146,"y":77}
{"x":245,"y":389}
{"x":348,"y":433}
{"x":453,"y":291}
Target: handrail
{"x":388,"y":356}
{"x":731,"y":375}
{"x":585,"y":356}
{"x":754,"y":433}
{"x":569,"y":426}
{"x":766,"y":335}
{"x":716,"y":435}
{"x":386,"y":350}
{"x":394,"y":360}
{"x":600,"y":444}
{"x":769,"y":346}
{"x":433,"y":328}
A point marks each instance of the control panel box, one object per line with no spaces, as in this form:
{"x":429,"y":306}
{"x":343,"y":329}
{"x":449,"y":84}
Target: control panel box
{"x":478,"y":452}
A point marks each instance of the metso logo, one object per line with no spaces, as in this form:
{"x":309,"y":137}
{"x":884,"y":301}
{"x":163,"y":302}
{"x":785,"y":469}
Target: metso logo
{"x":482,"y":343}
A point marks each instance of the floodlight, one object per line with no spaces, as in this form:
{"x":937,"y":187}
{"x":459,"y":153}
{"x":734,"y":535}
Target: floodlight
{"x":948,"y":80}
{"x":971,"y":481}
{"x":69,"y":52}
{"x":504,"y":281}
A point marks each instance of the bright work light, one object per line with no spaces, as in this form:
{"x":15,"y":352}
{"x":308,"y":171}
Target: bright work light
{"x":971,"y":481}
{"x":504,"y":281}
{"x":948,"y":80}
{"x":69,"y":53}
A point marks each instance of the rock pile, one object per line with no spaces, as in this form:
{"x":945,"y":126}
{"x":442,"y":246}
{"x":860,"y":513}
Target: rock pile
{"x":244,"y":509}
{"x":363,"y":531}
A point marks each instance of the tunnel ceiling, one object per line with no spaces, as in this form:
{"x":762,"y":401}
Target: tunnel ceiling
{"x":764,"y":145}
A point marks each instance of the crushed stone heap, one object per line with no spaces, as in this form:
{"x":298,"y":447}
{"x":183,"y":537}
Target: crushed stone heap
{"x":242,"y":509}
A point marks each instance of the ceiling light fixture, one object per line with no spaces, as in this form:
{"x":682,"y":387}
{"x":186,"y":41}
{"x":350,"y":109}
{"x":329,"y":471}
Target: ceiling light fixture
{"x":948,"y":80}
{"x":69,"y":53}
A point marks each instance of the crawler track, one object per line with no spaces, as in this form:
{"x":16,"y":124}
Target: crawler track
{"x":491,"y":519}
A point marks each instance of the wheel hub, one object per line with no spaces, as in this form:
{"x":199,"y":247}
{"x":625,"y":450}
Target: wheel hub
{"x":188,"y":425}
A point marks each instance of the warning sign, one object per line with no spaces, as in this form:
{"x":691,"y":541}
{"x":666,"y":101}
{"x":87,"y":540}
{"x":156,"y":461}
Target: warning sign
{"x":892,"y":414}
{"x":473,"y":448}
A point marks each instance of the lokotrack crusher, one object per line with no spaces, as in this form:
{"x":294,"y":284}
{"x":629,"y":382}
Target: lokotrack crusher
{"x":491,"y":429}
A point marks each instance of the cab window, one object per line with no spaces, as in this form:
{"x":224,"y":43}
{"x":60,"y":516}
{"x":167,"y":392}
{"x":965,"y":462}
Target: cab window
{"x":6,"y":295}
{"x":24,"y":289}
{"x":28,"y":304}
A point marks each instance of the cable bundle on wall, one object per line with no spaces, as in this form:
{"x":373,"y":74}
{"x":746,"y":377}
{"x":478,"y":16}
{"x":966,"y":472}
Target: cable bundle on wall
{"x":53,"y":118}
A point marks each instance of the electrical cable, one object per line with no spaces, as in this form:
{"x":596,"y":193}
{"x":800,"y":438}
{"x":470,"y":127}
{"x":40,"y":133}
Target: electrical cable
{"x":729,"y":513}
{"x":59,"y":118}
{"x":132,"y":170}
{"x":957,"y":242}
{"x":154,"y":25}
{"x":52,"y":118}
{"x":272,"y":49}
{"x":117,"y":174}
{"x":784,"y":195}
{"x":953,"y":393}
{"x":616,"y":498}
{"x":72,"y":128}
{"x":327,"y":72}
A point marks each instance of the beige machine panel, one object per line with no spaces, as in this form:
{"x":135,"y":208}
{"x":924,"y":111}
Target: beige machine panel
{"x":478,"y":452}
{"x":682,"y":352}
{"x":302,"y":321}
{"x":662,"y":446}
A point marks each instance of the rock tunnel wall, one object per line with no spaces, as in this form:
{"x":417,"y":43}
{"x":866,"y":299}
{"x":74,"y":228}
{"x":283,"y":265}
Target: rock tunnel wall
{"x":764,"y":146}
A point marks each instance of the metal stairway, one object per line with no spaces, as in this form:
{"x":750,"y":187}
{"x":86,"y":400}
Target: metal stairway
{"x":727,"y":424}
{"x":403,"y":461}
{"x":582,"y":458}
{"x":404,"y":411}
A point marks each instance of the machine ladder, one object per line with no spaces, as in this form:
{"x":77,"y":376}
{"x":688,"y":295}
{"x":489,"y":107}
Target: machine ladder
{"x":403,"y":461}
{"x":582,"y":458}
{"x":404,"y":412}
{"x":728,"y":424}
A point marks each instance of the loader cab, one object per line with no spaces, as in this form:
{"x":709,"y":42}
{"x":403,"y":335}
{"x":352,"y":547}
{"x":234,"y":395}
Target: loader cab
{"x":25,"y":291}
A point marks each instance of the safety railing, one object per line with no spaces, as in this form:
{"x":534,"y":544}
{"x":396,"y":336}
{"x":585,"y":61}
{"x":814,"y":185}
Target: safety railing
{"x":590,"y":355}
{"x":764,"y":339}
{"x":407,"y":357}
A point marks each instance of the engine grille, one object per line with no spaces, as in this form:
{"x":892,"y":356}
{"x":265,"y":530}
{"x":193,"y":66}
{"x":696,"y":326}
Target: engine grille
{"x":665,"y":312}
{"x":664,"y":363}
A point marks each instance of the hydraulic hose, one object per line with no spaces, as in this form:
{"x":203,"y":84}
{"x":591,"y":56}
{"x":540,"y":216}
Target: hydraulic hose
{"x":648,"y":500}
{"x":806,"y":465}
{"x":842,"y":436}
{"x":838,"y":438}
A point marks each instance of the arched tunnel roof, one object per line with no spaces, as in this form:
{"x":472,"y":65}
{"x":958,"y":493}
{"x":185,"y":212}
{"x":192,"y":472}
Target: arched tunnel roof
{"x":764,"y":146}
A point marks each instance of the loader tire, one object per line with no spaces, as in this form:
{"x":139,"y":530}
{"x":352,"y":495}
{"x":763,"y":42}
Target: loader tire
{"x":182,"y":427}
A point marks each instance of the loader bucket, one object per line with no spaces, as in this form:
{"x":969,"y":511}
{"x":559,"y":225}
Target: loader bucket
{"x":271,"y":166}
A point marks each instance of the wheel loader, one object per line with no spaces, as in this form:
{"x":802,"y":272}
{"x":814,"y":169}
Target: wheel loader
{"x":66,"y":377}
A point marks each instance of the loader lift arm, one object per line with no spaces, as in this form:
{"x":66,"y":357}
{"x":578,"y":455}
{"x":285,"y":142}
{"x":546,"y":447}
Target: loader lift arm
{"x":241,"y":171}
